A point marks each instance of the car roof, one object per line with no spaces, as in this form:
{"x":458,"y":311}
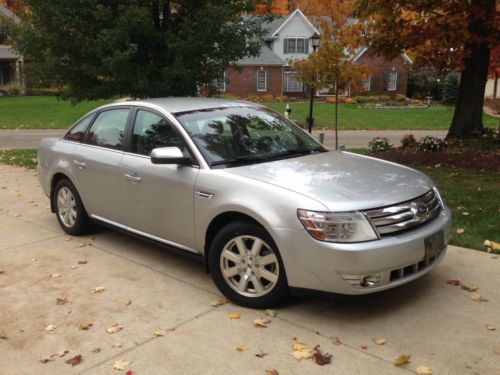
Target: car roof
{"x":176,"y":105}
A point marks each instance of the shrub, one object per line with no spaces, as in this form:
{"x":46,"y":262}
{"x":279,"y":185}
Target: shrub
{"x":14,"y":90}
{"x":400,"y":97}
{"x":228,"y":96}
{"x":253,"y":98}
{"x":281,"y":99}
{"x":351,"y":101}
{"x":450,"y":89}
{"x":267,"y":98}
{"x":384,"y":97}
{"x":362,"y":99}
{"x":47,"y":91}
{"x":430,"y":143}
{"x":379,"y":144}
{"x":408,"y":140}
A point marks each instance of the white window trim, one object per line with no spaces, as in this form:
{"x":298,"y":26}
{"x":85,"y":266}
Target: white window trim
{"x":391,"y":88}
{"x":306,"y":45}
{"x":285,"y":82}
{"x":265,"y":80}
{"x":369,"y":85}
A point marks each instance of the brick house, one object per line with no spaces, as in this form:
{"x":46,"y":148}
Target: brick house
{"x":10,"y":61}
{"x":288,"y":39}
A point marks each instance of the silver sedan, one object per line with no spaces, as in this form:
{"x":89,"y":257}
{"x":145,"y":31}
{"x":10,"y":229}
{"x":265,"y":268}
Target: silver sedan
{"x":270,"y":210}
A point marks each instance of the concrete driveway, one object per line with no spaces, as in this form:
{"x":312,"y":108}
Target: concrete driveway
{"x":147,"y":289}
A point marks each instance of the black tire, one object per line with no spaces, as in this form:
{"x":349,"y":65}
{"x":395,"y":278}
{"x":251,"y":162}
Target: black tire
{"x":276,"y":295}
{"x":82,"y":224}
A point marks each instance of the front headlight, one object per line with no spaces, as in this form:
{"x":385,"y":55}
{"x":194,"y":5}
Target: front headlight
{"x":349,"y":226}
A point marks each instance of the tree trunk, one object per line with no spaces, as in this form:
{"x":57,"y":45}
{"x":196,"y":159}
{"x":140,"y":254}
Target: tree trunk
{"x":468,"y":116}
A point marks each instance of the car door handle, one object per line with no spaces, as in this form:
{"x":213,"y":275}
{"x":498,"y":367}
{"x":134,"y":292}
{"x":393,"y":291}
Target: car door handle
{"x":79,"y":164}
{"x":132,"y":178}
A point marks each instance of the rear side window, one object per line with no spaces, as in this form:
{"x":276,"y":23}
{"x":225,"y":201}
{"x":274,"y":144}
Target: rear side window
{"x":152,"y":131}
{"x":108,"y":129}
{"x":77,"y":132}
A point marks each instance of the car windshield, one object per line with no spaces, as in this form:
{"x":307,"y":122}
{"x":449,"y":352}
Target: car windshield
{"x":244,"y":135}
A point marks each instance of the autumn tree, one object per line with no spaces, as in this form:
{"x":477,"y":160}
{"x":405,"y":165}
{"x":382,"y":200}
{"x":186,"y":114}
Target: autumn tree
{"x":141,"y":48}
{"x":332,"y":64}
{"x":447,"y":34}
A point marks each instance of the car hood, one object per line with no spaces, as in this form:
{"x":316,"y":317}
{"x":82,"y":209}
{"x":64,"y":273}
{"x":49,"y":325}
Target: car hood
{"x":342,"y":181}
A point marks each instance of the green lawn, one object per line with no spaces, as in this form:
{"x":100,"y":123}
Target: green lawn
{"x":42,"y":112}
{"x":352,"y":117}
{"x":465,"y":191}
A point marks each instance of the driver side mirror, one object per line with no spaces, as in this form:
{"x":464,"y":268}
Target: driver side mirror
{"x":169,"y":155}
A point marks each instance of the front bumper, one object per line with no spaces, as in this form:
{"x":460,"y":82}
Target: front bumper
{"x":337,"y":268}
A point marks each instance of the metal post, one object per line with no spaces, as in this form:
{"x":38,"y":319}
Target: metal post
{"x":336,"y":116}
{"x":311,"y":120}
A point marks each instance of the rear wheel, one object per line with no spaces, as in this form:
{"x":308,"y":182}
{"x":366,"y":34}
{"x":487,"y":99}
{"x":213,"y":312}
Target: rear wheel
{"x":69,"y":209}
{"x":246,"y":266}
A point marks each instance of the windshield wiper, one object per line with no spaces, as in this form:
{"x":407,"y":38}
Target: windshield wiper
{"x":241,"y":159}
{"x":296,"y":151}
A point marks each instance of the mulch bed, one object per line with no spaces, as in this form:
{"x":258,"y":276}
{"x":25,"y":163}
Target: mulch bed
{"x":449,"y":158}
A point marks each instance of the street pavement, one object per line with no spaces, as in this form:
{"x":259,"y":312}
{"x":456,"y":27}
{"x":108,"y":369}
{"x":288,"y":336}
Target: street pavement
{"x":13,"y":139}
{"x":147,"y":289}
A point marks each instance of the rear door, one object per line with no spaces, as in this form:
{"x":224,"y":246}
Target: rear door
{"x":157,"y":199}
{"x":97,"y":160}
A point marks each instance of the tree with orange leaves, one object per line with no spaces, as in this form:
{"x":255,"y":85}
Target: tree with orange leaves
{"x":446,"y":34}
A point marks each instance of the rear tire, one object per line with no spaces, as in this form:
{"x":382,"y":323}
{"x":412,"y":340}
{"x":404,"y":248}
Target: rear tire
{"x":246,"y":266}
{"x":70,"y":212}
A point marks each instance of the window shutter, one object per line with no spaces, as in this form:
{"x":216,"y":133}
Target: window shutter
{"x":285,"y":44}
{"x":268,"y":80}
{"x":306,"y":44}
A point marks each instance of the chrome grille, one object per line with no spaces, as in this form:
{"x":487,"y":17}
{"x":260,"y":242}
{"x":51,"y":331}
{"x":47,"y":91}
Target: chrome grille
{"x":405,"y":215}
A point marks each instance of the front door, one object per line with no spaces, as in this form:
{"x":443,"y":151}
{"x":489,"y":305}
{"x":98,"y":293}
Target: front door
{"x":157,"y":199}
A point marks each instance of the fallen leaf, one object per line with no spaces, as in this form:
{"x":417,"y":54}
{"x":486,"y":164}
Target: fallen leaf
{"x":261,"y":323}
{"x":2,"y":272}
{"x":3,"y":335}
{"x":62,"y":353}
{"x":478,"y":298}
{"x":80,"y":245}
{"x":460,"y":230}
{"x":159,"y":333}
{"x":98,"y":289}
{"x":465,"y":213}
{"x":50,"y":327}
{"x":34,"y":259}
{"x":129,"y":373}
{"x":492,"y":245}
{"x":271,"y":313}
{"x":121,"y":364}
{"x":261,"y":354}
{"x":219,"y":302}
{"x":55,"y":275}
{"x":76,"y":360}
{"x":67,"y":239}
{"x":470,"y":288}
{"x":46,"y":360}
{"x":128,"y":303}
{"x":96,"y":350}
{"x":85,"y":326}
{"x":302,"y":351}
{"x":62,"y":301}
{"x":74,"y":267}
{"x":321,"y":359}
{"x":234,"y":316}
{"x":423,"y":370}
{"x":241,"y":348}
{"x":82,"y":261}
{"x":379,"y":341}
{"x":454,"y":282}
{"x":117,"y":345}
{"x":403,"y":359}
{"x":490,"y":327}
{"x":114,"y":329}
{"x":364,"y":347}
{"x":272,"y":372}
{"x":336,"y":341}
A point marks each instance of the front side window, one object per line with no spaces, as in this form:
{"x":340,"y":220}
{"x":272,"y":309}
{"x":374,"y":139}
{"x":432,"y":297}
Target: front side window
{"x":261,"y":80}
{"x":77,"y":132}
{"x":108,"y":129}
{"x":233,"y":136}
{"x":392,"y":81}
{"x":153,"y":131}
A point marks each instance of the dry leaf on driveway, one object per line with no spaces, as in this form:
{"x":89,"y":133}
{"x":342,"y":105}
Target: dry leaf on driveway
{"x":114,"y":329}
{"x":302,"y":351}
{"x":271,"y":313}
{"x":55,"y":275}
{"x":98,"y":289}
{"x":478,"y":298}
{"x":403,"y":359}
{"x":241,"y":348}
{"x":336,"y":341}
{"x":76,"y":360}
{"x":234,"y":316}
{"x":2,"y":272}
{"x":83,"y":261}
{"x":262,"y":323}
{"x":121,"y":364}
{"x":219,"y":302}
{"x":46,"y":360}
{"x":50,"y":327}
{"x":379,"y":341}
{"x":117,"y":345}
{"x":321,"y":359}
{"x":3,"y":335}
{"x":160,"y":332}
{"x":469,"y":288}
{"x":261,"y":354}
{"x":62,"y":353}
{"x":96,"y":350}
{"x":490,"y":327}
{"x":423,"y":370}
{"x":84,"y":326}
{"x":454,"y":282}
{"x":272,"y":372}
{"x":62,"y":301}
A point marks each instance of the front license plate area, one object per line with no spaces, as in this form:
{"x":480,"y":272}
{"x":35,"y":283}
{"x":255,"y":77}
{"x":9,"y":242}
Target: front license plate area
{"x":434,"y":245}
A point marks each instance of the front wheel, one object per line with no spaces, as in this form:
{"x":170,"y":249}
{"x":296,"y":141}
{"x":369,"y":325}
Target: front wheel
{"x":246,"y":266}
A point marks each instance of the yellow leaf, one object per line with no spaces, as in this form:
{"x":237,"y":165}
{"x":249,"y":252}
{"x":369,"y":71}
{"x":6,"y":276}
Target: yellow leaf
{"x":478,"y":298}
{"x":50,"y":327}
{"x":85,"y":326}
{"x":218,"y":302}
{"x":241,"y":348}
{"x":62,"y":353}
{"x":98,"y":289}
{"x":160,"y":332}
{"x":403,"y":359}
{"x":302,"y":351}
{"x":460,"y":230}
{"x":490,"y":327}
{"x":469,"y":288}
{"x":379,"y":341}
{"x":55,"y":275}
{"x":272,"y":372}
{"x":261,"y":323}
{"x":423,"y":370}
{"x":492,"y":245}
{"x":114,"y":329}
{"x":121,"y":364}
{"x":234,"y":316}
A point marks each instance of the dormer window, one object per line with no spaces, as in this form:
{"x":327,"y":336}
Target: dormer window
{"x":296,"y":45}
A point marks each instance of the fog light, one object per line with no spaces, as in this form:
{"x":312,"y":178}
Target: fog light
{"x":369,"y":281}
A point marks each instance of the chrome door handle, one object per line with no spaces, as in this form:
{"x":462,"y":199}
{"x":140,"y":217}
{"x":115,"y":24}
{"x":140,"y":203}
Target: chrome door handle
{"x":79,"y":164}
{"x":132,"y":178}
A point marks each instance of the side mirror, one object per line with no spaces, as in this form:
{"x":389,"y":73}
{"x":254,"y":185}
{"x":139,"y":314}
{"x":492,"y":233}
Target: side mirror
{"x":169,"y":155}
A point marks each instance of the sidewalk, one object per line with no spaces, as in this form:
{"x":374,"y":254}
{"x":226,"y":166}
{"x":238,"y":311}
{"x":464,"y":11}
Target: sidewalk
{"x":149,"y":289}
{"x":11,"y":139}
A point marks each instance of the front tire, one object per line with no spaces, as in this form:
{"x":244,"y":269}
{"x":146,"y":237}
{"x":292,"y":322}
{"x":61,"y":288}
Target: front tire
{"x":70,"y":212}
{"x":246,"y":266}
